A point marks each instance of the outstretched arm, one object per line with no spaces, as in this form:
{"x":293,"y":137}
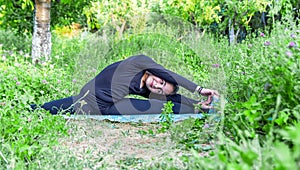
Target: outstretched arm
{"x":146,"y":63}
{"x":178,"y":98}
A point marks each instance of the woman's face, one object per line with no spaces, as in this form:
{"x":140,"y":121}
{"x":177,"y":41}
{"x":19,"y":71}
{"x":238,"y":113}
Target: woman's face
{"x":158,"y":85}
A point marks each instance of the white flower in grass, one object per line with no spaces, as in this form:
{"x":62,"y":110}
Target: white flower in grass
{"x":44,"y":82}
{"x":44,"y":64}
{"x":289,"y":53}
{"x":17,"y":64}
{"x":27,"y":55}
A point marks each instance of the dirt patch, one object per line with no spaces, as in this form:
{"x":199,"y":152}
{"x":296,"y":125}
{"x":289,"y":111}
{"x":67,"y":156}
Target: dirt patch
{"x":115,"y":144}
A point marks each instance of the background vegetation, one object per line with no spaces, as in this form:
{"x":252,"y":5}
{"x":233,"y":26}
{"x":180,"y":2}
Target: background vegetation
{"x":258,"y":77}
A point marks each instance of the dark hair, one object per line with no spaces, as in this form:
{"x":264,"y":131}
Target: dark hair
{"x":176,"y":88}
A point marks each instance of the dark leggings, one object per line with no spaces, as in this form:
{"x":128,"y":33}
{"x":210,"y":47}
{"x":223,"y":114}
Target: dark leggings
{"x":125,"y":106}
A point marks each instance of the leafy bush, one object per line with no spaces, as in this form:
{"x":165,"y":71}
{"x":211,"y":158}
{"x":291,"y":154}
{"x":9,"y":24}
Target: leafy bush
{"x":263,"y":88}
{"x":10,"y":40}
{"x":258,"y":77}
{"x":197,"y":12}
{"x":24,"y":134}
{"x":18,"y":15}
{"x":120,"y":15}
{"x":262,"y":112}
{"x":67,"y":12}
{"x":261,"y":120}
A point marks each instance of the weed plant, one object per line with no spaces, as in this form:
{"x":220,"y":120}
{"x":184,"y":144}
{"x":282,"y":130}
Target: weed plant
{"x":258,"y":78}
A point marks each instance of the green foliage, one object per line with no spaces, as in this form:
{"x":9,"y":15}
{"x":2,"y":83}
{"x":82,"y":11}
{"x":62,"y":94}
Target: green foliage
{"x":195,"y":134}
{"x":121,"y":15}
{"x":199,"y":12}
{"x":25,"y":134}
{"x":241,"y":12}
{"x":129,"y":162}
{"x":166,"y":117}
{"x":118,"y":16}
{"x":67,"y":12}
{"x":18,"y":15}
{"x":10,"y":40}
{"x":273,"y":100}
{"x":262,"y":113}
{"x":259,"y":79}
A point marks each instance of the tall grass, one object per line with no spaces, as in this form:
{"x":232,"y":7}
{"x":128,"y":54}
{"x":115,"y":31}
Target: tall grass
{"x":258,"y":79}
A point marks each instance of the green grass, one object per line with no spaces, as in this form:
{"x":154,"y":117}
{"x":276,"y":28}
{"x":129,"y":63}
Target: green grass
{"x":258,"y":79}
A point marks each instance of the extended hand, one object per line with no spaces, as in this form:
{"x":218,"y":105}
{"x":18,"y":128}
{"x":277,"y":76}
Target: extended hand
{"x":205,"y":106}
{"x":209,"y":92}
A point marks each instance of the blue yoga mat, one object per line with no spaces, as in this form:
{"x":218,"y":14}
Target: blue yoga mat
{"x":145,"y":118}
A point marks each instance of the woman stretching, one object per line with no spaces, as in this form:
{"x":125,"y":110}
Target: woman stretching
{"x":138,"y":75}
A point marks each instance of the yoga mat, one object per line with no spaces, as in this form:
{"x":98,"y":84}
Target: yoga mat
{"x":145,"y":118}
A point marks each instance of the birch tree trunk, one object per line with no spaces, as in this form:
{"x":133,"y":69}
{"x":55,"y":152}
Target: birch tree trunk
{"x":231,"y":32}
{"x":41,"y":39}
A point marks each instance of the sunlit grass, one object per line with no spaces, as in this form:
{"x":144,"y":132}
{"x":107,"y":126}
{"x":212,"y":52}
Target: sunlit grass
{"x":258,"y":80}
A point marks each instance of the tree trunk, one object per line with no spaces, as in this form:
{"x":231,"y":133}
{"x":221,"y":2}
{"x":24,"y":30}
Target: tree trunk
{"x":231,"y":32}
{"x":41,"y":39}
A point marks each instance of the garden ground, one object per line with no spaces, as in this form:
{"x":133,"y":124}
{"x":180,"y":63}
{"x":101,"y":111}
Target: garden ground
{"x":115,"y":144}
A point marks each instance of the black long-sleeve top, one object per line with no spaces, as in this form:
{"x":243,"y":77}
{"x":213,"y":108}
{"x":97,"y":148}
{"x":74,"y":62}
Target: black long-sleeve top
{"x":124,"y":77}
